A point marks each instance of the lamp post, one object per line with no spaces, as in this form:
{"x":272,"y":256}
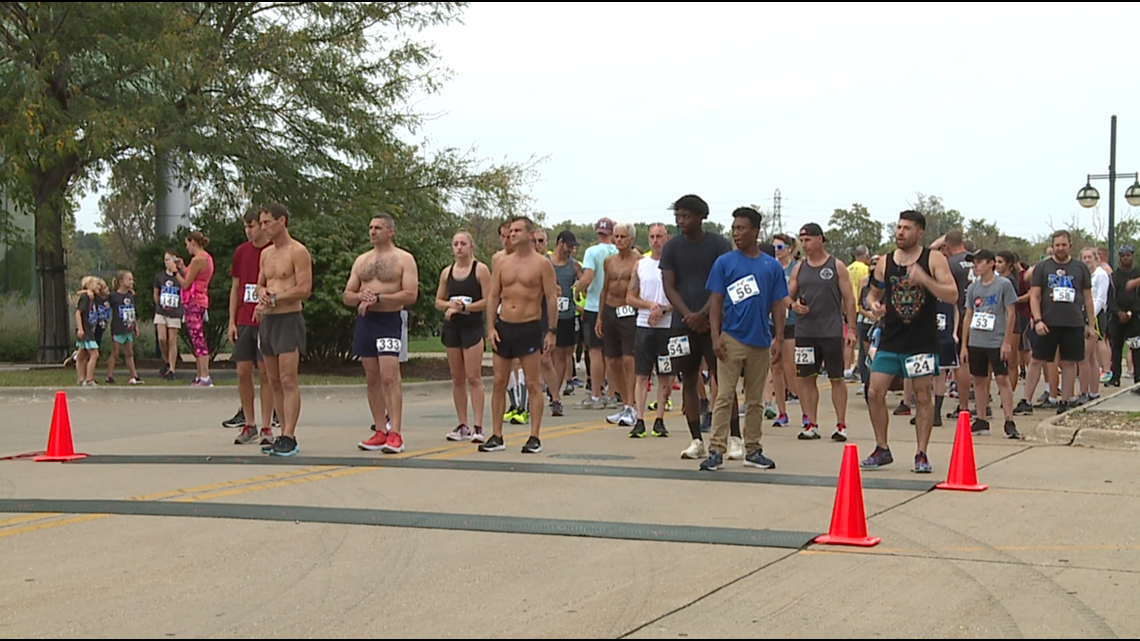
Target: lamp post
{"x":1088,"y":195}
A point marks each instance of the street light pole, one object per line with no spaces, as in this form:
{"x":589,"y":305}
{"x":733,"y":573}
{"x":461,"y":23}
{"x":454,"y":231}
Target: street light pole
{"x":1112,"y":192}
{"x":1088,"y":195}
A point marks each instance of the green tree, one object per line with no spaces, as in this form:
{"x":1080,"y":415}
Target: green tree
{"x":849,"y":228}
{"x":939,"y":220}
{"x":306,"y":102}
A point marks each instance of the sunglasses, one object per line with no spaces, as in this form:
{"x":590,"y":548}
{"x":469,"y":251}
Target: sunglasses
{"x":780,"y":246}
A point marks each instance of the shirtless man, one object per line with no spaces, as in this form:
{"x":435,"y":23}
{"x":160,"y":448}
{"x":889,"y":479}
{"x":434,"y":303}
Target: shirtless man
{"x":519,"y":282}
{"x":517,"y":413}
{"x":617,"y":322}
{"x":284,"y":282}
{"x":382,"y":282}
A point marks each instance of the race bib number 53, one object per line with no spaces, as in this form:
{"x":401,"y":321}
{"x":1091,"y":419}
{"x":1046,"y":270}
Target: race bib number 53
{"x":983,"y":322}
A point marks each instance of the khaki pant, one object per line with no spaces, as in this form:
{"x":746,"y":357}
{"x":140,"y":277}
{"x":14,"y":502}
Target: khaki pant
{"x":754,"y":362}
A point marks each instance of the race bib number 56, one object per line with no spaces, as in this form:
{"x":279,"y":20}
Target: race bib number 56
{"x":743,"y":289}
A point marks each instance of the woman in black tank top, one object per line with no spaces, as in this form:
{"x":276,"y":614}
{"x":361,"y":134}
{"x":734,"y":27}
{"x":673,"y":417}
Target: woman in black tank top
{"x":460,"y":298}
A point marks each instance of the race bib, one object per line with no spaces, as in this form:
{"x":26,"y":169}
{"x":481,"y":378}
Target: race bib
{"x":563,"y":304}
{"x":805,"y":356}
{"x":169,"y":299}
{"x":1134,"y":342}
{"x":250,"y":294}
{"x":625,"y":311}
{"x":743,"y":289}
{"x":664,"y":365}
{"x":984,"y":322}
{"x":466,"y":300}
{"x":127,"y":315}
{"x":942,"y":322}
{"x":388,"y":346}
{"x":919,"y":365}
{"x":679,"y":346}
{"x":1064,"y":294}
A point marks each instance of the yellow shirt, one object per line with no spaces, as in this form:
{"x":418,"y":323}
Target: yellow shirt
{"x":858,"y":271}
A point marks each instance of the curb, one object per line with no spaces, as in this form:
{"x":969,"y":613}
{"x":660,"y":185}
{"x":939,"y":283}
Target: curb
{"x":1050,"y":433}
{"x":192,"y":394}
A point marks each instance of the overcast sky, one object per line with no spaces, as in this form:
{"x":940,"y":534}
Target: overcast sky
{"x":1001,"y":110}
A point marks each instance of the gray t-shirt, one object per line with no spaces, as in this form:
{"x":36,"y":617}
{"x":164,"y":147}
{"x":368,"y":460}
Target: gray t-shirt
{"x":691,"y":263}
{"x":987,"y":330}
{"x":1063,"y":287}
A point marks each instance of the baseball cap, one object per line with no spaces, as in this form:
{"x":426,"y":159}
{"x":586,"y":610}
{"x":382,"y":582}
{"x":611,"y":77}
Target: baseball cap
{"x":812,"y":229}
{"x":1126,"y":249}
{"x":568,"y":238}
{"x":604,"y":226}
{"x":981,"y":254}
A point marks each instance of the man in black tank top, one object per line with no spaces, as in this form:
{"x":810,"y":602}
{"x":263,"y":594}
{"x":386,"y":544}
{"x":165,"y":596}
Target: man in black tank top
{"x":905,"y":288}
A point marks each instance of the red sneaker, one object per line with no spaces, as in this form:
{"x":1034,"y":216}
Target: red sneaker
{"x":394,"y":444}
{"x":375,"y":443}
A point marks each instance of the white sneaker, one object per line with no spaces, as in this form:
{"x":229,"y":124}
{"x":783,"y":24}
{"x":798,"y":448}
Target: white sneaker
{"x":615,"y":419}
{"x":735,"y":449}
{"x":696,"y":450}
{"x":628,"y":417}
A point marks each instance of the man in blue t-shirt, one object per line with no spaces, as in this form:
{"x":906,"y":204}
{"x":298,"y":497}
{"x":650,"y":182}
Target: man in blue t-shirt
{"x":745,"y":286}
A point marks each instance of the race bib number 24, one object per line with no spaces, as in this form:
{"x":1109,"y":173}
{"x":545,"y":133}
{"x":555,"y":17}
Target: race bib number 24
{"x":919,"y":365}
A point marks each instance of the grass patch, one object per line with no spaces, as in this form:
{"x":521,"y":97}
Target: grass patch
{"x":65,"y":378}
{"x":19,"y":341}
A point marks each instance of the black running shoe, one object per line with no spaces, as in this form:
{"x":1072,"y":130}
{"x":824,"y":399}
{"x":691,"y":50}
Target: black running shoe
{"x":285,"y":446}
{"x":533,"y":445}
{"x":659,"y":428}
{"x":493,"y":444}
{"x":1011,"y":431}
{"x":275,"y":423}
{"x":1023,"y":408}
{"x":237,"y":421}
{"x":638,"y":430}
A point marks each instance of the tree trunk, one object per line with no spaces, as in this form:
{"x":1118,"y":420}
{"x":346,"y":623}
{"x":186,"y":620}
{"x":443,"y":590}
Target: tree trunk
{"x":55,"y":311}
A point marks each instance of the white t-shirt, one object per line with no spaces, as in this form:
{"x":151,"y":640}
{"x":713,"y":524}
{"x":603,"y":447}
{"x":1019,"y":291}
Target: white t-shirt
{"x":1100,"y":284}
{"x":652,"y":291}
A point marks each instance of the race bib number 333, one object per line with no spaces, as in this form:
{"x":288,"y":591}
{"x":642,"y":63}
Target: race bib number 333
{"x":388,"y":345}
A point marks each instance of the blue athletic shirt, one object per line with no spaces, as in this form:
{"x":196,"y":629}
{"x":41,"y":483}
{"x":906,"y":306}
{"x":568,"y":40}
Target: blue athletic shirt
{"x":745,"y":319}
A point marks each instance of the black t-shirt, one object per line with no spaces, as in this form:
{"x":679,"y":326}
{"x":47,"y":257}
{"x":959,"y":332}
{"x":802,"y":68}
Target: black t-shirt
{"x":963,"y":273}
{"x":691,"y":262}
{"x":88,"y":315}
{"x":123,"y":319}
{"x":169,"y":302}
{"x":1063,"y":287}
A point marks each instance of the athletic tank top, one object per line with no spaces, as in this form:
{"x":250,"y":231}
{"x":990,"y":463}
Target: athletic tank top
{"x":564,"y":277}
{"x":468,"y":288}
{"x":910,"y":325}
{"x":819,"y":290}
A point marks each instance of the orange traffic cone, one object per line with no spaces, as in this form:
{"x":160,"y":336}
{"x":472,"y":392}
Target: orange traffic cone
{"x":848,"y":521}
{"x":963,"y":472}
{"x":59,"y":446}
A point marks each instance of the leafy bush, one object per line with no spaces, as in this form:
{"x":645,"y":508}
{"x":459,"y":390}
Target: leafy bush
{"x":19,"y":318}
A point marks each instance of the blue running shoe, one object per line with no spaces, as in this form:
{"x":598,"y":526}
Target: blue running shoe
{"x":285,"y":446}
{"x":922,"y":464}
{"x":757,"y":459}
{"x":878,"y":458}
{"x":781,"y":422}
{"x":713,"y":463}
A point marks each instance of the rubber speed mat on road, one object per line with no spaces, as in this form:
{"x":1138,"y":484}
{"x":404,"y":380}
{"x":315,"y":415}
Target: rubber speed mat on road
{"x":869,"y":482}
{"x":427,"y":520}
